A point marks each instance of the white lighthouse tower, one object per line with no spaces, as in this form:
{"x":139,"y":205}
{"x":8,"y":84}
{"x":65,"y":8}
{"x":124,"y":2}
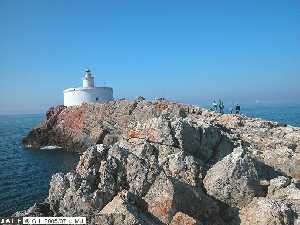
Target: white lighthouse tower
{"x":87,"y":93}
{"x":88,"y":80}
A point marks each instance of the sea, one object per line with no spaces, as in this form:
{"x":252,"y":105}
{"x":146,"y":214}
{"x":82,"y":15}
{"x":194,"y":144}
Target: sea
{"x":286,"y":113}
{"x":25,"y":173}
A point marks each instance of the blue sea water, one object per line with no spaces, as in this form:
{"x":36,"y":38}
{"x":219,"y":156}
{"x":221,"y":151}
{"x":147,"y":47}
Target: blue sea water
{"x":25,"y":174}
{"x":284,"y":113}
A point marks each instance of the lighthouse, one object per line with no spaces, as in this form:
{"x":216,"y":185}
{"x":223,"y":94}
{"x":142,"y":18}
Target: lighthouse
{"x":88,"y":80}
{"x":88,"y":93}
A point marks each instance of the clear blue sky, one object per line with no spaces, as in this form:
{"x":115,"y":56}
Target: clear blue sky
{"x":190,"y":51}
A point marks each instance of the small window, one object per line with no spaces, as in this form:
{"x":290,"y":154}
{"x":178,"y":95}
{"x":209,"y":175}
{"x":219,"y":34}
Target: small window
{"x":97,"y":98}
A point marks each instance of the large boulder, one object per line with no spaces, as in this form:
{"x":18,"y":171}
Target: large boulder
{"x":141,"y":174}
{"x":100,"y":175}
{"x":263,"y":211}
{"x":90,"y":161}
{"x":77,"y":202}
{"x":284,"y":160}
{"x":202,"y":140}
{"x":233,"y":180}
{"x":122,"y":210}
{"x":58,"y":186}
{"x":154,"y":130}
{"x":183,"y":219}
{"x":285,"y":189}
{"x":167,"y":196}
{"x":159,"y":199}
{"x":278,"y":184}
{"x":184,"y":167}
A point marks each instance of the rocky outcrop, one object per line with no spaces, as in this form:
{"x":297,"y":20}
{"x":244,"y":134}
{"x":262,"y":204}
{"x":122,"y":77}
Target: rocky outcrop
{"x":183,"y":219}
{"x":234,"y":180}
{"x":104,"y":173}
{"x":122,"y":210}
{"x":164,"y":163}
{"x":263,"y":211}
{"x":286,"y":190}
{"x":184,"y":167}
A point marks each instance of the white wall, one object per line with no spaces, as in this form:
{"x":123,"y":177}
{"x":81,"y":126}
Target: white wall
{"x":88,"y":82}
{"x":88,"y":95}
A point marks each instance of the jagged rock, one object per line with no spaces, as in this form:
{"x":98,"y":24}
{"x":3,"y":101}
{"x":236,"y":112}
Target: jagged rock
{"x":37,"y":210}
{"x":262,"y":211}
{"x":58,"y":186}
{"x":111,"y":178}
{"x":277,"y":184}
{"x":76,"y":202}
{"x":122,"y":211}
{"x":148,"y":152}
{"x":285,"y":160}
{"x":231,"y":121}
{"x":82,"y":197}
{"x":183,"y":219}
{"x":233,"y":180}
{"x":110,"y":139}
{"x":185,"y":168}
{"x":177,"y":163}
{"x":287,"y":190}
{"x":202,"y":140}
{"x":93,"y":185}
{"x":167,"y":196}
{"x":188,"y":136}
{"x":140,"y":174}
{"x":76,"y":128}
{"x":156,"y":130}
{"x":140,"y":98}
{"x":100,"y":175}
{"x":54,"y":111}
{"x":160,"y":198}
{"x":89,"y":162}
{"x":182,"y":113}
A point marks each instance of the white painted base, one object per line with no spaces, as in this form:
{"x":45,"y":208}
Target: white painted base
{"x":76,"y":96}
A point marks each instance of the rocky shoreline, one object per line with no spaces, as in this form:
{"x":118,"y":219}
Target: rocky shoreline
{"x":162,"y":162}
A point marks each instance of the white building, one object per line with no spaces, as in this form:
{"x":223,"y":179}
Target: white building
{"x":87,"y":93}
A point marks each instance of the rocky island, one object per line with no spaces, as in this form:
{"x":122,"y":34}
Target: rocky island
{"x":160,"y":162}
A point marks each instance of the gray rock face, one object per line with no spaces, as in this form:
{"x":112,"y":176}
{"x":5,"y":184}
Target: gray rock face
{"x":165,"y":163}
{"x":122,"y":210}
{"x":278,"y":183}
{"x":286,"y":190}
{"x":140,"y":174}
{"x":183,"y":219}
{"x":184,"y":167}
{"x":201,"y":139}
{"x":38,"y":209}
{"x":159,"y":199}
{"x":289,"y":163}
{"x":233,"y":180}
{"x":262,"y":211}
{"x":167,"y":196}
{"x":89,"y":165}
{"x":153,"y":191}
{"x":58,"y":186}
